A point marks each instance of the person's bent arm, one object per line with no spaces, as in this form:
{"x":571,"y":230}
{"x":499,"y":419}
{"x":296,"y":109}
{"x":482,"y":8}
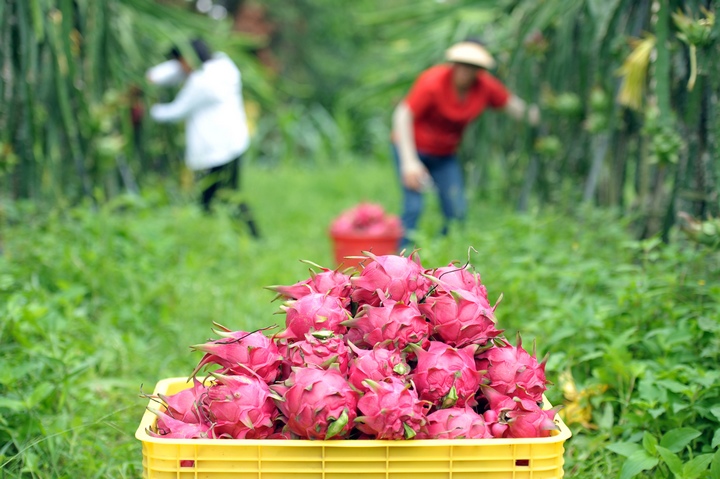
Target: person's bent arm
{"x":519,"y":110}
{"x":190,"y":97}
{"x":167,"y":73}
{"x":413,"y":173}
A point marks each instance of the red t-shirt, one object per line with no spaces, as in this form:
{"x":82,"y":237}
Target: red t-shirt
{"x":440,"y":116}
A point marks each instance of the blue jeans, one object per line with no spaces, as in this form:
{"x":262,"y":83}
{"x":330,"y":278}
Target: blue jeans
{"x":446,"y":173}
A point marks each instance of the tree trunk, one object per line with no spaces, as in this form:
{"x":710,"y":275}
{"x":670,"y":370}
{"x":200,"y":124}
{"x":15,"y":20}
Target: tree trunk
{"x":599,"y":145}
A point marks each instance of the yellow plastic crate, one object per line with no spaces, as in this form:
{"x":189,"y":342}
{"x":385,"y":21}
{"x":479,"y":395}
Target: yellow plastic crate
{"x":539,"y":458}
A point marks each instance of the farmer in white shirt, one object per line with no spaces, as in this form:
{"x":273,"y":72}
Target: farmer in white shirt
{"x":216,"y":127}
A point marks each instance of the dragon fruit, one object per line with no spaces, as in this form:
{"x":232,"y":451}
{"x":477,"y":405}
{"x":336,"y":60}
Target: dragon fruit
{"x":320,"y":348}
{"x":281,"y":434}
{"x":460,"y":317}
{"x":394,"y":325}
{"x":460,"y":278}
{"x":446,"y":376}
{"x":183,"y":405}
{"x":171,"y":428}
{"x":375,"y":364}
{"x":391,"y":351}
{"x":240,"y":407}
{"x":396,"y":277}
{"x":530,"y":422}
{"x":455,"y":423}
{"x":313,"y":312}
{"x":512,"y":371}
{"x":367,"y":219}
{"x":390,"y":410}
{"x":241,"y":353}
{"x":317,"y":403}
{"x":518,"y":418}
{"x":330,"y":282}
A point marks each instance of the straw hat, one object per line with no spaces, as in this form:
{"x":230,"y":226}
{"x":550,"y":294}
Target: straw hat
{"x":471,"y":53}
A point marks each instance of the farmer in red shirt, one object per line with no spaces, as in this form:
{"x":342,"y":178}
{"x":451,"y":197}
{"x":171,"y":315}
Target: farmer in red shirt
{"x":428,"y":126}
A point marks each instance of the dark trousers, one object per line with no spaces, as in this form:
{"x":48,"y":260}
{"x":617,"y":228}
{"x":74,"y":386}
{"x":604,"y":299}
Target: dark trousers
{"x":227,"y":176}
{"x":447,"y":176}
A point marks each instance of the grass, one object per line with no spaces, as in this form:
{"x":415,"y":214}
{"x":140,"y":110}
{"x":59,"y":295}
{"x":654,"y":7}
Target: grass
{"x":99,"y":304}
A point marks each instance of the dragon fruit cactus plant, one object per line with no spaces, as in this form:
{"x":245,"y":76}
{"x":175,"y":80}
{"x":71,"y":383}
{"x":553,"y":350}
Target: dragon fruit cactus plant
{"x":392,"y":351}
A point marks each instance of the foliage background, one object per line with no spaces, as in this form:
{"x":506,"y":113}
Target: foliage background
{"x":633,"y":132}
{"x":100,"y":304}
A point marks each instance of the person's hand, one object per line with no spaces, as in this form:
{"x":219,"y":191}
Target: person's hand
{"x":415,"y":176}
{"x":154,"y":111}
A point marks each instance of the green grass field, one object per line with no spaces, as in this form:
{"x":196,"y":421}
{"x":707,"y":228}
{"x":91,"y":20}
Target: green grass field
{"x":97,"y":305}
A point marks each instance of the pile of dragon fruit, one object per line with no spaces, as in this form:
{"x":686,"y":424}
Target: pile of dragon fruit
{"x":392,"y":351}
{"x":366,"y":219}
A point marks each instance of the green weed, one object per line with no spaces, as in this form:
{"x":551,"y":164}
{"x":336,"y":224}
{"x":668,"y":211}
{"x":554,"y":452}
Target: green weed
{"x":96,"y":305}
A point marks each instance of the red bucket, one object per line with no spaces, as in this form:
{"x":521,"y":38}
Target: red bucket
{"x":353,"y":245}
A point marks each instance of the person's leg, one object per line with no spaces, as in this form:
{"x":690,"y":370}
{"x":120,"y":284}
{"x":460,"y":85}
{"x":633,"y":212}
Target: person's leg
{"x":448,"y":178}
{"x":212,"y":181}
{"x":412,"y":206}
{"x":243,"y":209}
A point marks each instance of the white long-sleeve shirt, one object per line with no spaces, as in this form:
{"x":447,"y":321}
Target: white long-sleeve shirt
{"x":211,"y":104}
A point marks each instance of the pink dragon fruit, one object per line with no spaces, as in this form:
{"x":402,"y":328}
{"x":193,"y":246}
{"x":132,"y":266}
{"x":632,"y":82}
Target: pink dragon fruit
{"x":342,"y":225}
{"x":459,"y":278}
{"x":375,"y":364}
{"x":368,"y":213}
{"x":390,"y":410}
{"x":354,"y":336}
{"x":313,"y":312}
{"x":460,"y":318}
{"x":240,"y":407}
{"x":320,"y":348}
{"x":397,"y":278}
{"x":241,"y":353}
{"x":390,"y":226}
{"x":281,"y":434}
{"x":171,"y":428}
{"x":455,"y":423}
{"x":317,"y":403}
{"x":512,"y":371}
{"x":183,"y":405}
{"x":367,"y":219}
{"x":446,"y":376}
{"x":330,"y":282}
{"x":393,"y":325}
{"x":518,"y":418}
